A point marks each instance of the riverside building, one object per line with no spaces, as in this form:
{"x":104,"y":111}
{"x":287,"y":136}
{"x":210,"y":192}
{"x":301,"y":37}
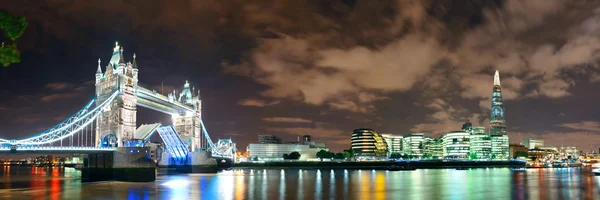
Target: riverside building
{"x":368,"y":144}
{"x":532,"y":143}
{"x":456,"y":144}
{"x":394,"y":143}
{"x":481,"y":144}
{"x":412,"y":144}
{"x":271,"y":148}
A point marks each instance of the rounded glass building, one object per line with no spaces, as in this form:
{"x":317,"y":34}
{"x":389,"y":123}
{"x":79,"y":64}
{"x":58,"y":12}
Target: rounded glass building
{"x":366,"y":143}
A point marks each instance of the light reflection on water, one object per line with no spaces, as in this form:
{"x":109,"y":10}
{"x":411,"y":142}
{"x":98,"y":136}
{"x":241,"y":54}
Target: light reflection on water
{"x":64,"y":183}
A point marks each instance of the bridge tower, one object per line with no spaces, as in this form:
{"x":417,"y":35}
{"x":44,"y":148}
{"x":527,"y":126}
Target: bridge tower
{"x":117,"y":124}
{"x":188,"y":124}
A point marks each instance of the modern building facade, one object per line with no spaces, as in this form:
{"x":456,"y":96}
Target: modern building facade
{"x":456,"y":144}
{"x":412,"y":144}
{"x":269,"y":139}
{"x":497,"y":122}
{"x":366,"y":143}
{"x":516,"y":148}
{"x":532,"y":143}
{"x":481,"y":144}
{"x":500,"y":142}
{"x":433,"y":148}
{"x":394,"y":143}
{"x":500,"y":147}
{"x":273,"y":152}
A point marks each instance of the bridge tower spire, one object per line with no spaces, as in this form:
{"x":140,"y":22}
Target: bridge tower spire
{"x":118,"y":121}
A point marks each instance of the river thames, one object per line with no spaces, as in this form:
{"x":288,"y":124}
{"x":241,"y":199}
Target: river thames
{"x":493,"y":183}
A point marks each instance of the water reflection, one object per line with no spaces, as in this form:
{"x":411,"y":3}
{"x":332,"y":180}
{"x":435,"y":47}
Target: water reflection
{"x":64,"y":183}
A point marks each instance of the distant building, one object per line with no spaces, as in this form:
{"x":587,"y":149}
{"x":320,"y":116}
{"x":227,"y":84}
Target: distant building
{"x":394,"y":143}
{"x":456,"y":144}
{"x":269,"y":139}
{"x":516,"y":148}
{"x":532,"y":143}
{"x":412,"y":144}
{"x":366,"y":143}
{"x":467,"y":127}
{"x":306,"y":138}
{"x":272,"y":152}
{"x":481,"y":143}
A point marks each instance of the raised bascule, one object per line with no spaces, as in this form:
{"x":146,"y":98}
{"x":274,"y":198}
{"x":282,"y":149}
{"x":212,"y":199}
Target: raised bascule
{"x":105,"y":128}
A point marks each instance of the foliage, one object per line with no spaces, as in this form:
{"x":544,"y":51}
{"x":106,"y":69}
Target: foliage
{"x":472,"y":155}
{"x":349,"y":153}
{"x":522,"y":154}
{"x":339,"y":156}
{"x":396,"y":155}
{"x":12,"y":27}
{"x":292,"y":156}
{"x":426,"y":155}
{"x":325,"y":154}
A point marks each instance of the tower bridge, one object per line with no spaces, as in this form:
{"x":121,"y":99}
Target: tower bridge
{"x":108,"y":122}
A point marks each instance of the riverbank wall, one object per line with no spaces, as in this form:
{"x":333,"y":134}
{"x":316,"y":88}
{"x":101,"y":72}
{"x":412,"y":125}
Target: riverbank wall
{"x":422,"y":164}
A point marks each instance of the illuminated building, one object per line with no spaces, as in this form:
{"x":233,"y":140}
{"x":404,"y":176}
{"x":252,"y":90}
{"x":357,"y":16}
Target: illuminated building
{"x":532,"y":143}
{"x":306,"y":138}
{"x":269,"y":139}
{"x":497,"y":123}
{"x":367,"y":143}
{"x":394,"y":143}
{"x":271,"y":152}
{"x":500,"y":148}
{"x":456,"y":144}
{"x":481,"y":143}
{"x":516,"y":148}
{"x":412,"y":144}
{"x":500,"y":142}
{"x":433,"y":148}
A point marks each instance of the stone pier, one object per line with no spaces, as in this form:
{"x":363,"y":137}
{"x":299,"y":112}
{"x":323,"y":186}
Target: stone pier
{"x":195,"y":162}
{"x":131,"y":164}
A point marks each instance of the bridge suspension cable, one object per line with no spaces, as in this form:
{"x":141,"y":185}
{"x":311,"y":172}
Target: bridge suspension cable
{"x":69,"y":127}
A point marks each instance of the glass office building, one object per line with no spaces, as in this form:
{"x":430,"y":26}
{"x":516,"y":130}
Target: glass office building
{"x":481,"y":144}
{"x":456,"y":144}
{"x":500,"y":147}
{"x":412,"y":144}
{"x":367,"y":144}
{"x":272,"y":152}
{"x":394,"y":143}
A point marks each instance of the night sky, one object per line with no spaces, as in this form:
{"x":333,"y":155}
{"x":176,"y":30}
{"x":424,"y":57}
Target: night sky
{"x":320,"y":67}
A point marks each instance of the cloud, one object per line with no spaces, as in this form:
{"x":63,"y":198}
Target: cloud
{"x":256,"y":103}
{"x":584,"y":125}
{"x":58,"y":96}
{"x":287,"y":120}
{"x":58,"y":86}
{"x":320,"y":132}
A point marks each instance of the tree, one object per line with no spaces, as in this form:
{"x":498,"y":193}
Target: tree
{"x":12,"y":27}
{"x":396,"y":155}
{"x":472,"y":156}
{"x":294,"y":155}
{"x":522,"y":154}
{"x":349,"y":153}
{"x":339,"y":156}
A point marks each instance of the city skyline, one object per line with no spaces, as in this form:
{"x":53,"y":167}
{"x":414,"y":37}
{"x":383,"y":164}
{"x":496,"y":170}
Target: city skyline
{"x":296,"y":81}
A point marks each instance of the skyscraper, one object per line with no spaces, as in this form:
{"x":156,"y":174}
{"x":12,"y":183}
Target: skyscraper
{"x":499,"y":139}
{"x":497,"y":123}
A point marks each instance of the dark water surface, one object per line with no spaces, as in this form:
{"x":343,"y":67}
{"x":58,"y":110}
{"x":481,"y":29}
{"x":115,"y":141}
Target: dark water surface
{"x":64,"y":183}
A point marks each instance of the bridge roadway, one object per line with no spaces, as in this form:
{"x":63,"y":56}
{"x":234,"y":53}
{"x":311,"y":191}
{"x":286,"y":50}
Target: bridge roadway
{"x":54,"y":150}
